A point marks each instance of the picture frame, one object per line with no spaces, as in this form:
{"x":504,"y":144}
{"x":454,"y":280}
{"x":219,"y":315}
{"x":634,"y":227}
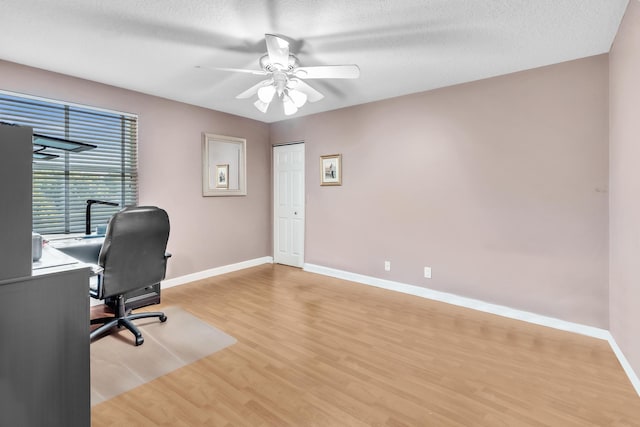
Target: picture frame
{"x":224,"y":155}
{"x":222,"y":176}
{"x":331,"y":169}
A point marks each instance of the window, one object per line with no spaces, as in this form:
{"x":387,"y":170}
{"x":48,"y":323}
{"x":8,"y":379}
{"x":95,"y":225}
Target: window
{"x":62,"y":186}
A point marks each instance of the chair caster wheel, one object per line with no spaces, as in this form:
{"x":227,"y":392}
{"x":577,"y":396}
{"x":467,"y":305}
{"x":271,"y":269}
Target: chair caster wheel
{"x":163,"y":318}
{"x":139,"y":341}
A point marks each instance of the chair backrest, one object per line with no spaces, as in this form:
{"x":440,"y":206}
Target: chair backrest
{"x":133,"y":252}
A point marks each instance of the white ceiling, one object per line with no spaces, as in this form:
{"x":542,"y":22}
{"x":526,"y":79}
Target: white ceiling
{"x":401,"y":46}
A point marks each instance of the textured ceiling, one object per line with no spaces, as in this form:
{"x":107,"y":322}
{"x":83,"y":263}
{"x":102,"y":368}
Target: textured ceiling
{"x":401,"y":46}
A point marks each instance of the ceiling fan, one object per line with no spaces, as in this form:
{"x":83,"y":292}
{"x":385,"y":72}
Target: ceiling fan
{"x":285,"y":77}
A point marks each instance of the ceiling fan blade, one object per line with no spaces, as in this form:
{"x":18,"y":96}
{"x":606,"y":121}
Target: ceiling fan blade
{"x":278,"y":50}
{"x":254,"y":89}
{"x":235,"y":70}
{"x":312,"y":94}
{"x":328,"y":72}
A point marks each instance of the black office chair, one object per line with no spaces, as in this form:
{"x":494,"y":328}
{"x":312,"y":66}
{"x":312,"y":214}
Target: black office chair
{"x":132,"y":257}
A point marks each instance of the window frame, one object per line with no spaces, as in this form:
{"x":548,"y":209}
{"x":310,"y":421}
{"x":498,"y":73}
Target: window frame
{"x":62,"y":186}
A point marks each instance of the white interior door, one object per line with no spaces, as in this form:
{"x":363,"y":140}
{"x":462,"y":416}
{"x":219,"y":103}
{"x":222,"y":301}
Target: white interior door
{"x":288,"y":204}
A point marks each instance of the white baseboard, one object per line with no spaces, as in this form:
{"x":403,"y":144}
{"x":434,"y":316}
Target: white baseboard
{"x":485,"y":307}
{"x":205,"y":274}
{"x":625,"y":363}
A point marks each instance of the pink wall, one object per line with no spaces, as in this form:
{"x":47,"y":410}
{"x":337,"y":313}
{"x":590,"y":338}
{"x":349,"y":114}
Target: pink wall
{"x":499,"y":185}
{"x":624,"y":206}
{"x":206,"y":231}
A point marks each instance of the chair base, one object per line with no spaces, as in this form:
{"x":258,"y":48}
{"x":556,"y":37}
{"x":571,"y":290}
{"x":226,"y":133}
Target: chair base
{"x":123,"y":318}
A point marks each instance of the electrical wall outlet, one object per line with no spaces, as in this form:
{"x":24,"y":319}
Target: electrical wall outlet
{"x":387,"y":266}
{"x":427,"y":272}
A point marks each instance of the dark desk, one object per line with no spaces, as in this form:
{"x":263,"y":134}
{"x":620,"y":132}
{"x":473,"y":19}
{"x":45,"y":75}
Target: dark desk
{"x":53,"y":260}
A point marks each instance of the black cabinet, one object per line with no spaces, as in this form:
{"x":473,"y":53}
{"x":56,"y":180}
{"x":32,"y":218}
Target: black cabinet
{"x":15,"y":209}
{"x":44,"y":356}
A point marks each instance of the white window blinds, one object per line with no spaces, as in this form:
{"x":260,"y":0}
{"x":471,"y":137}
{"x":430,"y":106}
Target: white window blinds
{"x":62,"y":186}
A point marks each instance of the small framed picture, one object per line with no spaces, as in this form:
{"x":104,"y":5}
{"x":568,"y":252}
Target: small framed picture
{"x":222,"y":176}
{"x":331,"y":169}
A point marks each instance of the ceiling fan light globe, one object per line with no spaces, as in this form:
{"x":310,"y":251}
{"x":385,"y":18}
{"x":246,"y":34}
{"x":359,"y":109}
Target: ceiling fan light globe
{"x":265,"y":93}
{"x":289,"y":107}
{"x":298,"y":98}
{"x":262,"y":106}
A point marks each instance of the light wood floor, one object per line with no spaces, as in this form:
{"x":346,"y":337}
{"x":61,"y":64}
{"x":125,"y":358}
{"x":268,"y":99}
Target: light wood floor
{"x":317,"y":351}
